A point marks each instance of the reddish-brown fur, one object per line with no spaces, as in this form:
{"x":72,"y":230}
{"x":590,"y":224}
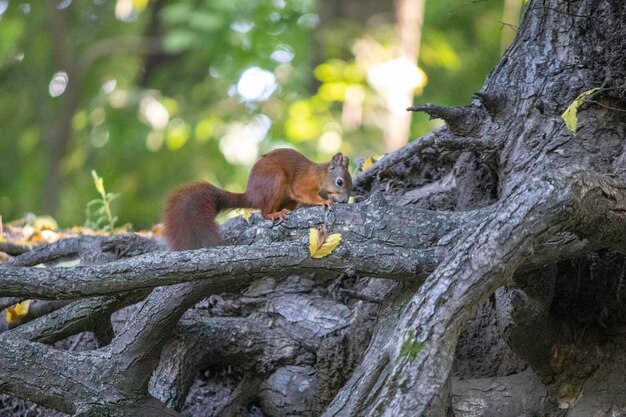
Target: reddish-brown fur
{"x":278,"y":182}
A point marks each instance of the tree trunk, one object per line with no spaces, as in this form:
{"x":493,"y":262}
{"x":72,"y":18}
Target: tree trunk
{"x":502,"y":261}
{"x":409,"y":19}
{"x":58,"y":131}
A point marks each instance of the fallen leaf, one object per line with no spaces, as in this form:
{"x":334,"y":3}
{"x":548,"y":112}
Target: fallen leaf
{"x":369,"y":162}
{"x":321,"y":245}
{"x":17,"y":311}
{"x":245,"y":213}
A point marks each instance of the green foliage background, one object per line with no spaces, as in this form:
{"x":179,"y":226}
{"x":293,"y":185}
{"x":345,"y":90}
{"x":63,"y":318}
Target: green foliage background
{"x":208,"y":45}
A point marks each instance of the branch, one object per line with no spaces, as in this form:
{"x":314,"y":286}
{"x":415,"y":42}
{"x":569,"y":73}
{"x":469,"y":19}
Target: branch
{"x":38,"y":308}
{"x":491,"y":102}
{"x":138,"y":347}
{"x":559,"y":11}
{"x":363,"y":380}
{"x":44,"y":367}
{"x":90,"y":249}
{"x":13,"y":249}
{"x":252,"y":344}
{"x":28,"y":370}
{"x":120,"y":45}
{"x":221,"y":267}
{"x":144,"y":407}
{"x":370,"y":221}
{"x":463,"y":121}
{"x":57,"y":251}
{"x":73,"y":318}
{"x":440,"y":138}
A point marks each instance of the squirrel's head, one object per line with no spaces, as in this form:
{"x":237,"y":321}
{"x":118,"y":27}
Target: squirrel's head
{"x":339,"y":181}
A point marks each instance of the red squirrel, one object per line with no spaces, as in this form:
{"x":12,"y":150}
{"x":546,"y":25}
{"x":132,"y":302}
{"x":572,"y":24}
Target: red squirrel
{"x":278,"y":182}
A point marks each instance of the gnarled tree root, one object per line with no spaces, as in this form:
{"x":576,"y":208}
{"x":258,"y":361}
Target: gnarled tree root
{"x":417,"y":380}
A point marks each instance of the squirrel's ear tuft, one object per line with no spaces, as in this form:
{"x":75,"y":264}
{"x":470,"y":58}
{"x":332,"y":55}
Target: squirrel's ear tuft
{"x":337,"y":159}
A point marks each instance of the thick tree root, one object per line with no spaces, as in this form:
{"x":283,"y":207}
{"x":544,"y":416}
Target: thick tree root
{"x":421,"y":351}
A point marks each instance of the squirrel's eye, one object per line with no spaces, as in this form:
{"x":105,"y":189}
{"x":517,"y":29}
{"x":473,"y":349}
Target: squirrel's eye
{"x":339,"y":182}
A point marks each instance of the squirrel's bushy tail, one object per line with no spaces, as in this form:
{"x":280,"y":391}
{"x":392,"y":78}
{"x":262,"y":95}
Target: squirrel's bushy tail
{"x":189,"y":218}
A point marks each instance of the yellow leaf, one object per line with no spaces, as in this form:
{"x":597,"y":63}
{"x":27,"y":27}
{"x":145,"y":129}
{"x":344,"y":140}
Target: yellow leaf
{"x":100,"y":186}
{"x":314,"y":240}
{"x":98,"y":181}
{"x":329,"y":246}
{"x":370,"y":161}
{"x":17,"y":311}
{"x":21,"y":309}
{"x":570,"y":115}
{"x":139,"y":5}
{"x":45,"y":223}
{"x":246,"y":213}
{"x":367,"y":163}
{"x":10,"y":315}
{"x":320,"y":245}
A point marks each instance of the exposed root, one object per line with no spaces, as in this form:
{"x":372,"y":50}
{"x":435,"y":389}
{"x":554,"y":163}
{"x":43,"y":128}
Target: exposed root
{"x":484,"y":259}
{"x":463,"y":121}
{"x":440,"y":138}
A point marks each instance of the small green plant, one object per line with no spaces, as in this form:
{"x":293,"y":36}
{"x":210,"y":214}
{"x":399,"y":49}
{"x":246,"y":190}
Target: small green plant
{"x":410,"y":348}
{"x":98,"y":211}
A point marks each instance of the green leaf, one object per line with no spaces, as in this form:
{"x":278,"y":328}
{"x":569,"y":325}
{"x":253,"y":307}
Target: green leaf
{"x":112,"y":196}
{"x":570,"y":115}
{"x":177,"y":13}
{"x":206,"y":22}
{"x":179,"y":40}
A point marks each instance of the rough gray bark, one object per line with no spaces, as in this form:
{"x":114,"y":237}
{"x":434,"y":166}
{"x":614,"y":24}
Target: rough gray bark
{"x":524,"y":395}
{"x":507,"y":227}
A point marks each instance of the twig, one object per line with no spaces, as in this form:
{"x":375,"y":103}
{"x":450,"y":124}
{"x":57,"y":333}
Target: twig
{"x":78,"y":339}
{"x":560,"y":11}
{"x":605,"y":106}
{"x":14,"y":249}
{"x":451,"y":12}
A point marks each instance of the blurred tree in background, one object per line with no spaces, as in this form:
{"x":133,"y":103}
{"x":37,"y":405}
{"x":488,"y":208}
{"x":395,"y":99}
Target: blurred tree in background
{"x":152,"y":94}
